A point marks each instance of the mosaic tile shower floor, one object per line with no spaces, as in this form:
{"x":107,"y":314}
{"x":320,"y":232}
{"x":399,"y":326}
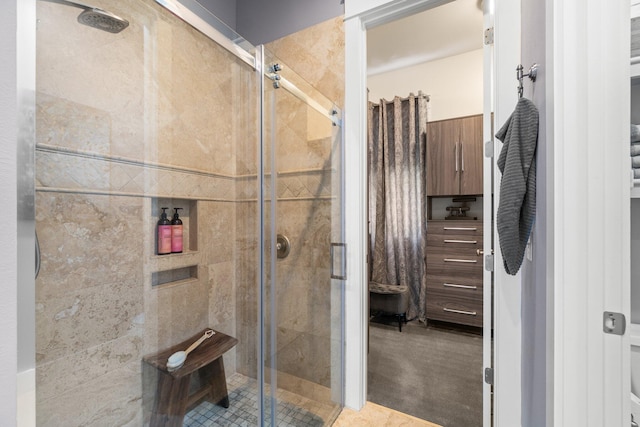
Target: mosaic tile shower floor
{"x":293,"y":410}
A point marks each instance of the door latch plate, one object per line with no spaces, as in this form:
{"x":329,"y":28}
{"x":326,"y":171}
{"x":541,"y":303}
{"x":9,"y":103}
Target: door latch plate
{"x":488,"y":375}
{"x":613,"y":323}
{"x":488,"y":262}
{"x":488,"y":149}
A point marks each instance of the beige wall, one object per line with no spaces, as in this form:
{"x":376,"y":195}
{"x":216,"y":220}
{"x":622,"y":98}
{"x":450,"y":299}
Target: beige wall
{"x":454,"y":85}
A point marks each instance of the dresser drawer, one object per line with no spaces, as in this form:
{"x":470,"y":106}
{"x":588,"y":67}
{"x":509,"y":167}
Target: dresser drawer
{"x":467,"y":285}
{"x":458,"y":228}
{"x":453,"y":308}
{"x":452,"y":264}
{"x":456,"y":242}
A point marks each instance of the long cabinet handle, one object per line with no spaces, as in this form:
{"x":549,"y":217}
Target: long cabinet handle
{"x":460,"y":228}
{"x":462,"y":156}
{"x":468,"y":313}
{"x":455,"y":149}
{"x":471,"y":242}
{"x":466,"y":261}
{"x":455,"y":285}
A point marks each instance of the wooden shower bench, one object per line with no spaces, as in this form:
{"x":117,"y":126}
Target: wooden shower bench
{"x":172,"y":399}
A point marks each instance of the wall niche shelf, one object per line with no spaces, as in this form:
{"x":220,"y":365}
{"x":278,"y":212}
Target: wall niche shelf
{"x":175,"y":268}
{"x":175,"y":276}
{"x":173,"y":261}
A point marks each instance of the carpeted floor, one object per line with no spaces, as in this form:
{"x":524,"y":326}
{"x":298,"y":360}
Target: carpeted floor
{"x":433,"y":373}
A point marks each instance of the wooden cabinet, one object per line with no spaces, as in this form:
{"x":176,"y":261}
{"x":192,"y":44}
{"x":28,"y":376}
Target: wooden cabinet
{"x":454,"y":272}
{"x":454,"y":156}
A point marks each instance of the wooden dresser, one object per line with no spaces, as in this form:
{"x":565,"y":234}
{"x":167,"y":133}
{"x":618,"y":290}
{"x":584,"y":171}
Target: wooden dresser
{"x":454,"y":271}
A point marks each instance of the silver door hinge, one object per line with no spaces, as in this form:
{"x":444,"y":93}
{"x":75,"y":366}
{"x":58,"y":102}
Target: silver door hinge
{"x":488,"y":376}
{"x":488,"y":149}
{"x":488,"y":36}
{"x":488,"y":262}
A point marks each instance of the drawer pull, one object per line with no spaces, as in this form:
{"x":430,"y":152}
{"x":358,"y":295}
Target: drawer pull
{"x":461,"y":228}
{"x":453,"y":285}
{"x":468,"y":313}
{"x":466,"y":261}
{"x":472,"y":242}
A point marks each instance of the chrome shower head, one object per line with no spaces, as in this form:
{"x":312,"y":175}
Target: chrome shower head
{"x":102,"y":20}
{"x":96,"y":18}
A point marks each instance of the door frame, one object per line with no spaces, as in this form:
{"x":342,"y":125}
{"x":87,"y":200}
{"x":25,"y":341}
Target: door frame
{"x":507,"y":301}
{"x":361,"y":15}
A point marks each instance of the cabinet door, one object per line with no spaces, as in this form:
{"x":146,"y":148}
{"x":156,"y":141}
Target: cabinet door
{"x":442,"y":158}
{"x":471,"y":155}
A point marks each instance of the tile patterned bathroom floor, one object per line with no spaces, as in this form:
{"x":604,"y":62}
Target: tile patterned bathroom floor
{"x":292,"y":411}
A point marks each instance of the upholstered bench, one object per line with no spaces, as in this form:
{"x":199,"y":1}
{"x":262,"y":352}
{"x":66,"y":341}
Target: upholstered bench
{"x":389,"y":299}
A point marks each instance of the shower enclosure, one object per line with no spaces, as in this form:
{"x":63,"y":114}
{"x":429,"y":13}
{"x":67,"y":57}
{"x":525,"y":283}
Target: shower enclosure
{"x":176,"y":110}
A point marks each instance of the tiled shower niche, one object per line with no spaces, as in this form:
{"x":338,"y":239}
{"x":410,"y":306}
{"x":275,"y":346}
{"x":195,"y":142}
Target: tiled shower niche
{"x":174,"y":268}
{"x":188,"y":215}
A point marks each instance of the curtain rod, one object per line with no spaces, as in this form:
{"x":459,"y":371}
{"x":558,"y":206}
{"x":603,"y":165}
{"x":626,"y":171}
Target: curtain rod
{"x":419,"y":95}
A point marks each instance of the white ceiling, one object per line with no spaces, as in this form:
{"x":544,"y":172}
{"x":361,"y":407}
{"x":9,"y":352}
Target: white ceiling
{"x":447,"y":30}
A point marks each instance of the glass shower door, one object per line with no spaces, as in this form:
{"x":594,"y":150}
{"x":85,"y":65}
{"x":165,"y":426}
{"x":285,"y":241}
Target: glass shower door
{"x":158,"y":116}
{"x":304,"y":258}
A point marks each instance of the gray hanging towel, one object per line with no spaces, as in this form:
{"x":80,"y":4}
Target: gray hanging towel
{"x":517,"y":162}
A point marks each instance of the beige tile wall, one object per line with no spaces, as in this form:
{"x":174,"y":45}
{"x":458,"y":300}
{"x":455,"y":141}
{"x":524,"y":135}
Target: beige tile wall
{"x":317,"y":54}
{"x":156,"y":112}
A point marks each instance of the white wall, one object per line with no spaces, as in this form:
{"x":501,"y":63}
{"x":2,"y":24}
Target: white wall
{"x":8,"y":258}
{"x":454,"y":85}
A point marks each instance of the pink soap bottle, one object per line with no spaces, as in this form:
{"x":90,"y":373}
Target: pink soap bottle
{"x":164,"y":234}
{"x":176,"y":233}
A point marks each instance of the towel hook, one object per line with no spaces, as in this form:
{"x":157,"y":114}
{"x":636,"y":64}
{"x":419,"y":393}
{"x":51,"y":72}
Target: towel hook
{"x":532,"y":74}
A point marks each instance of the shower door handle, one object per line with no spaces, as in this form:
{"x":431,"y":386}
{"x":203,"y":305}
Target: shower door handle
{"x":37,"y":256}
{"x":341,"y":258}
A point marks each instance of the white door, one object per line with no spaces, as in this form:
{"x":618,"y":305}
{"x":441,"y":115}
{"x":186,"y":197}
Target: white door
{"x":487,"y":286}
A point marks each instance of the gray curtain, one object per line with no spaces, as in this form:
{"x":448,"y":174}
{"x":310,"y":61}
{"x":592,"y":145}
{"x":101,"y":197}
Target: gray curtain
{"x":397,"y":196}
